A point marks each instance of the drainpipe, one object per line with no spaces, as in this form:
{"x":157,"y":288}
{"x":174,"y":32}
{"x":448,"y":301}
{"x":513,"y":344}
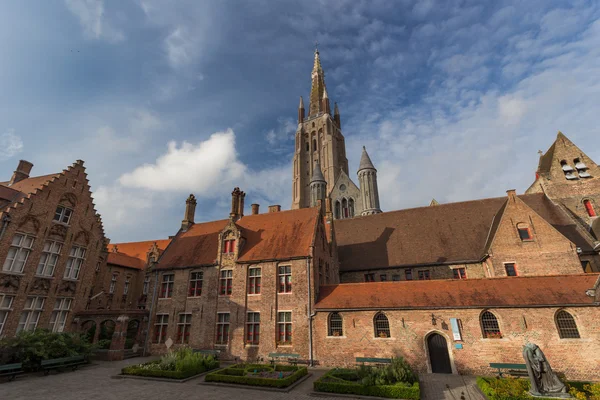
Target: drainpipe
{"x":310,"y":316}
{"x":150,"y":314}
{"x":5,"y":222}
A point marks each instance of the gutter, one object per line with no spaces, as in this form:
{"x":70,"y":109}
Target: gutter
{"x":5,"y":222}
{"x":456,"y":307}
{"x":310,"y":317}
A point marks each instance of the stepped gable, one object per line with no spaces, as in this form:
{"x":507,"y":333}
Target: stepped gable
{"x":273,"y":235}
{"x":529,"y":291}
{"x":444,"y":234}
{"x":133,"y":254}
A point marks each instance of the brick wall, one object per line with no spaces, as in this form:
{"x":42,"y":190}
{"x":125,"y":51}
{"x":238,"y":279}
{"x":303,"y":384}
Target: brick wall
{"x":475,"y":270}
{"x":577,"y":358}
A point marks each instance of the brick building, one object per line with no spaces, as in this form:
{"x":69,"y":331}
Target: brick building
{"x":52,"y":246}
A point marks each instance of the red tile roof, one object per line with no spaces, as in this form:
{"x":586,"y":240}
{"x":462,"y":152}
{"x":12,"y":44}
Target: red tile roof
{"x":133,"y":254}
{"x":29,"y":185}
{"x":438,"y":294}
{"x":276,"y":235}
{"x":446,"y":233}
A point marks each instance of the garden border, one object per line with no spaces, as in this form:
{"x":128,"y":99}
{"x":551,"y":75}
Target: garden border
{"x":155,"y":378}
{"x":261,"y":388}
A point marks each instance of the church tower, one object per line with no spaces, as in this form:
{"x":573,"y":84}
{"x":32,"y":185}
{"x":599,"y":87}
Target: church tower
{"x":318,"y":187}
{"x":319,"y":141}
{"x":367,"y":179}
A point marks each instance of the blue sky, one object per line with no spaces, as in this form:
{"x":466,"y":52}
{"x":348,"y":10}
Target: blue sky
{"x":165,"y":98}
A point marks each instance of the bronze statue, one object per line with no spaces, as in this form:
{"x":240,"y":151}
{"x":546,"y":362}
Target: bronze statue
{"x":544,"y":381}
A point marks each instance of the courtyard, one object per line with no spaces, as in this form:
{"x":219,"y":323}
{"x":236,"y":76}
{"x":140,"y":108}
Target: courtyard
{"x":95,"y":381}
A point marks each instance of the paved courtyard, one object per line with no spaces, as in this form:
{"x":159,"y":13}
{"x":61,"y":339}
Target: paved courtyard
{"x":95,"y":382}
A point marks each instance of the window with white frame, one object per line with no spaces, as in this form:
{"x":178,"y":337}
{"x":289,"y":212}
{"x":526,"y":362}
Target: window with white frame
{"x":284,"y":327}
{"x":253,"y":328}
{"x":146,"y":285}
{"x":160,"y":328}
{"x":74,"y":262}
{"x":254,"y":278}
{"x":5,"y":309}
{"x":183,"y":328}
{"x":63,"y":214}
{"x":113,"y":283}
{"x":18,"y":252}
{"x":222,"y":328}
{"x":58,"y":319}
{"x":31,"y":313}
{"x":166,"y":289}
{"x":126,"y":286}
{"x":49,"y":257}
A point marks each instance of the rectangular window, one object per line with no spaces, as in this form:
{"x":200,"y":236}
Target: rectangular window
{"x":5,"y":309}
{"x":253,"y":328}
{"x":383,"y":277}
{"x":511,"y":269}
{"x":369,"y":277}
{"x":222,"y":328}
{"x":160,"y":328}
{"x":183,"y":328}
{"x":146,"y":286}
{"x":424,"y":275}
{"x":166,"y":289}
{"x":195,"y":289}
{"x":126,"y":287}
{"x":459,"y":273}
{"x":31,"y":313}
{"x":229,"y":246}
{"x":49,"y":258}
{"x":63,"y":214}
{"x":18,"y":252}
{"x":284,"y":327}
{"x":113,"y":283}
{"x":285,"y":278}
{"x":408,"y":274}
{"x":226,"y":282}
{"x":58,"y":319}
{"x":395,"y":277}
{"x":524,"y":233}
{"x":254,"y":276}
{"x":75,"y":262}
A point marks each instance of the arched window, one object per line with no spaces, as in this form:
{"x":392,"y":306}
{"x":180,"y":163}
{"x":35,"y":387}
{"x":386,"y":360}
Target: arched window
{"x":337,"y":209}
{"x":524,"y":231}
{"x":351,"y":207}
{"x":565,"y":323}
{"x":335,"y":325}
{"x":489,"y":326}
{"x":382,"y":326}
{"x":589,"y":207}
{"x":344,"y":208}
{"x":307,"y":147}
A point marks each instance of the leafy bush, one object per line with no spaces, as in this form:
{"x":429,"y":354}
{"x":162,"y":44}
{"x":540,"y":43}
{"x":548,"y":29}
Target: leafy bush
{"x":397,"y":371}
{"x":232,"y":375}
{"x":31,"y":347}
{"x":180,"y":364}
{"x":103,"y":344}
{"x":518,"y":389}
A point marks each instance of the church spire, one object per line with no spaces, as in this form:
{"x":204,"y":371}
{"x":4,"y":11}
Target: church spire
{"x":301,"y":111}
{"x":336,"y":116}
{"x":317,"y":88}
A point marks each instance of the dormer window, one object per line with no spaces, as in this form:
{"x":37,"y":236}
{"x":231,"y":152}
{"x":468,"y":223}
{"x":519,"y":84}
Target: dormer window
{"x":581,"y":168}
{"x":63,"y":214}
{"x":524,"y":232}
{"x":568,"y":170}
{"x":228,"y":246}
{"x":589,"y":207}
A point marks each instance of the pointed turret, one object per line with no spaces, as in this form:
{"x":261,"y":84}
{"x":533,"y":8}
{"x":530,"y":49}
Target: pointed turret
{"x":325,"y":102}
{"x":318,"y":86}
{"x":301,"y":111}
{"x":336,"y":116}
{"x":367,"y":178}
{"x":318,"y":186}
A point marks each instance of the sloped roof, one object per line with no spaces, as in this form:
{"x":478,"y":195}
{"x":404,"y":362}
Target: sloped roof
{"x":365,"y":161}
{"x":447,"y":233}
{"x":133,"y":254}
{"x":29,"y":185}
{"x":557,"y":290}
{"x":275,"y":235}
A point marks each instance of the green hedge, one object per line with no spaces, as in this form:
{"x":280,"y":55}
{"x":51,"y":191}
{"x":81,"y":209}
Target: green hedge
{"x":518,"y":389}
{"x":332,"y":382}
{"x":231,"y":375}
{"x":135,"y":370}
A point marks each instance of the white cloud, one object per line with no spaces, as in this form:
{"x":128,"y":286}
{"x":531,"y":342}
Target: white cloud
{"x":179,"y":47}
{"x":92,"y":18}
{"x":10,"y":144}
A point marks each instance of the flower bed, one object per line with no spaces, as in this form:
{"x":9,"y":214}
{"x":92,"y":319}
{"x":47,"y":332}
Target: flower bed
{"x":396,"y":381}
{"x":174,"y":365}
{"x":279,"y":376}
{"x":518,"y":389}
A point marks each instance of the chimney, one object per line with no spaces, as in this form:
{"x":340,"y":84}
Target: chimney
{"x":235,"y":202}
{"x":241,"y":204}
{"x":254,"y":209}
{"x":512,"y":194}
{"x":190,"y":212}
{"x":275,"y":208}
{"x":22,"y":172}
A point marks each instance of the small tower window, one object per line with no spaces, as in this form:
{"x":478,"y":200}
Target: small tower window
{"x":307,"y":147}
{"x":589,"y":207}
{"x":314,"y":144}
{"x":337,"y":209}
{"x":524,"y":232}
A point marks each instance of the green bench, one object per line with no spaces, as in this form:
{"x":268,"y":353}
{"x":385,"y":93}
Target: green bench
{"x":291,"y":358}
{"x":378,"y":361}
{"x":513,"y":369}
{"x":214,"y":353}
{"x":11,"y":370}
{"x":59,"y":363}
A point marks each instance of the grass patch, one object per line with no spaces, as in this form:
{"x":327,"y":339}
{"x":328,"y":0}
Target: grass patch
{"x":518,"y":389}
{"x":174,"y":365}
{"x":279,"y":376}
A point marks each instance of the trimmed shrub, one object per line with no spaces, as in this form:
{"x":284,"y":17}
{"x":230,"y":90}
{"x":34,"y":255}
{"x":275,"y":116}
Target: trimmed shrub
{"x":231,"y":375}
{"x":347,"y":381}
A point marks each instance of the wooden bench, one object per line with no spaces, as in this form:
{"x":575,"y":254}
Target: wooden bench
{"x":64,"y":362}
{"x":291,"y":358}
{"x":371,"y":360}
{"x":513,"y":369}
{"x":209,"y":352}
{"x":11,"y":370}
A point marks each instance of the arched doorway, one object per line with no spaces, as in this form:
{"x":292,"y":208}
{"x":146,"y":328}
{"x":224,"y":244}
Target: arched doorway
{"x":438,"y":354}
{"x":132,"y":331}
{"x":88,"y":328}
